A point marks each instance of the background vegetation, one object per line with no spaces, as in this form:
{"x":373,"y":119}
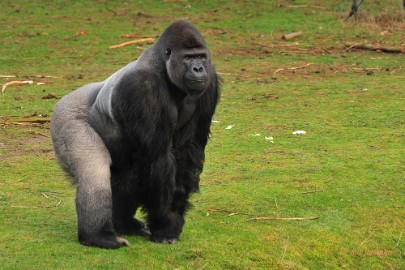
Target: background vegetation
{"x":347,"y":170}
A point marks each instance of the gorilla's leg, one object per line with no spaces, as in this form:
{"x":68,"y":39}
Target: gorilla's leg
{"x":124,"y":209}
{"x":164,"y":222}
{"x":83,"y":155}
{"x":94,"y":196}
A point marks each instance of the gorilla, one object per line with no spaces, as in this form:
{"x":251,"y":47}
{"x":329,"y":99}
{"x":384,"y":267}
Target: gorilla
{"x":137,"y":140}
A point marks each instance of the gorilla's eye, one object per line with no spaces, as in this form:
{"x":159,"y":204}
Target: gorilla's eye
{"x":168,"y":51}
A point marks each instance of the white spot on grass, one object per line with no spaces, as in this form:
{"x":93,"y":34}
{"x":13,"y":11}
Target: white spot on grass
{"x":230,"y":127}
{"x":270,"y":139}
{"x":299,"y":132}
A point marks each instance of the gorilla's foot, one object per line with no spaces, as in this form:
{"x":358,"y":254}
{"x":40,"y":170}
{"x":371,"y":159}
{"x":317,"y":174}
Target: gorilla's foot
{"x":163,"y":240}
{"x":107,"y":241}
{"x":132,"y":227}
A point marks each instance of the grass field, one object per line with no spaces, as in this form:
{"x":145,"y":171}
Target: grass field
{"x":347,"y":171}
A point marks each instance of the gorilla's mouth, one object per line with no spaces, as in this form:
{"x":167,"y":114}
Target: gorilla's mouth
{"x":197,"y":85}
{"x":198,"y":81}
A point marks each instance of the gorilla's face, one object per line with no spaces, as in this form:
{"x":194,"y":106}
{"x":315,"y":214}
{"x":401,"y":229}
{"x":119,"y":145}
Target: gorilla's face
{"x":189,"y":69}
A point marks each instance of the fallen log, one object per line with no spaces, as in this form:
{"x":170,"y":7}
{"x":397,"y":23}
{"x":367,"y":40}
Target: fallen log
{"x":371,"y":47}
{"x":291,"y":35}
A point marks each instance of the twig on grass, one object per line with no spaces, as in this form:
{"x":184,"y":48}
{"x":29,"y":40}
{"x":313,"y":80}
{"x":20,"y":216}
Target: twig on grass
{"x":7,"y":76}
{"x":312,"y":191}
{"x":40,"y":207}
{"x":40,"y":134}
{"x":365,"y":240}
{"x":349,"y":47}
{"x":291,"y":68}
{"x":112,"y":11}
{"x":30,"y":121}
{"x":137,"y":41}
{"x":231,"y":213}
{"x":59,"y":200}
{"x":3,"y":88}
{"x":283,"y":218}
{"x":23,"y":124}
{"x":27,"y":120}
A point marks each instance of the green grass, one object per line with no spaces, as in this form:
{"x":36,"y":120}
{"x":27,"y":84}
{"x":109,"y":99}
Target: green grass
{"x":350,"y":103}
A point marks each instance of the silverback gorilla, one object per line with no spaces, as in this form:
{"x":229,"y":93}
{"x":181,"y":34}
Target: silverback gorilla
{"x":137,"y":139}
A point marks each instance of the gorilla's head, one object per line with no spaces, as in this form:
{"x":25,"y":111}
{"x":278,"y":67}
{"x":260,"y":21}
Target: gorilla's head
{"x":188,"y":62}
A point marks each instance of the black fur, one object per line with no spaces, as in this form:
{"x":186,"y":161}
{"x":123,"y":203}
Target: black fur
{"x":138,"y":140}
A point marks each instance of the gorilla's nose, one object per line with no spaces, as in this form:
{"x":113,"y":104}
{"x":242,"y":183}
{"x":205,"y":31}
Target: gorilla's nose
{"x":198,"y":72}
{"x":198,"y":69}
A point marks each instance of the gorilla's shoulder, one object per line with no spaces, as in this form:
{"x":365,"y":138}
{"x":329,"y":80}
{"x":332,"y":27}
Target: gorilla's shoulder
{"x":142,"y":78}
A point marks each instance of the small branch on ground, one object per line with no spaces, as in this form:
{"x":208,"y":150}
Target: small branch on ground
{"x":3,"y":88}
{"x":371,"y":47}
{"x":231,"y":213}
{"x":29,"y":121}
{"x":137,"y":41}
{"x":283,"y":218}
{"x":291,"y":35}
{"x":112,"y":11}
{"x":291,"y":68}
{"x":40,"y":134}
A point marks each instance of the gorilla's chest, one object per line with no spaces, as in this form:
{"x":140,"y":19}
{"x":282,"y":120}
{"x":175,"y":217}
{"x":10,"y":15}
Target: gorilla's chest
{"x":186,"y":111}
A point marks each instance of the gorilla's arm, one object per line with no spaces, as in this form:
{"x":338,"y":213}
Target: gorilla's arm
{"x":147,"y":115}
{"x":190,"y":142}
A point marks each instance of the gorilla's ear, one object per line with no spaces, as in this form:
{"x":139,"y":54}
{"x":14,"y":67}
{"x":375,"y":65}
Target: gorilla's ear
{"x":168,"y":51}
